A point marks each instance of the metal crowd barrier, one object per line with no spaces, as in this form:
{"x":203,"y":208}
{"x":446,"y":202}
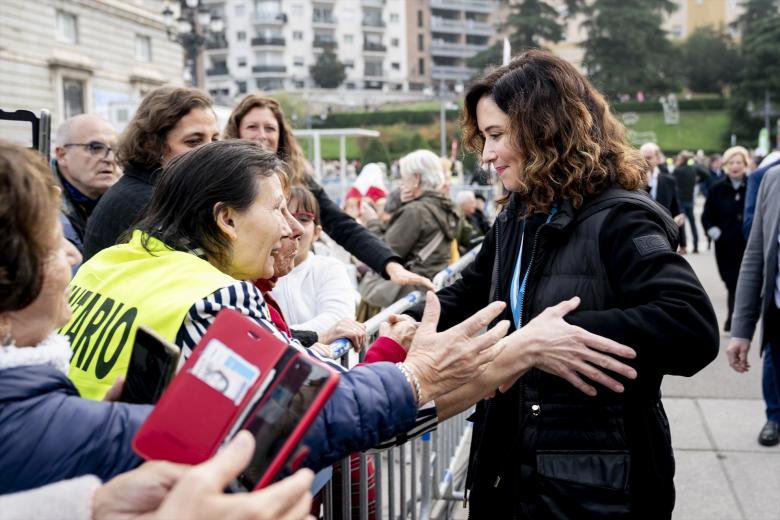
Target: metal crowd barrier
{"x":423,"y":478}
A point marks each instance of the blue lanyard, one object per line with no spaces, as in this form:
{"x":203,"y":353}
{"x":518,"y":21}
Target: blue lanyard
{"x":516,"y":294}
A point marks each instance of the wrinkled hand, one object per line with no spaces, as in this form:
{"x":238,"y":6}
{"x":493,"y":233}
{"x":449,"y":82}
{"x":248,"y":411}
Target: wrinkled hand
{"x":400,"y":275}
{"x":680,"y":220}
{"x":400,"y":328}
{"x":137,"y":493}
{"x":443,"y":361}
{"x":322,"y":349}
{"x":567,"y":351}
{"x":354,"y":331}
{"x":737,"y":353}
{"x":162,"y":490}
{"x":367,"y":213}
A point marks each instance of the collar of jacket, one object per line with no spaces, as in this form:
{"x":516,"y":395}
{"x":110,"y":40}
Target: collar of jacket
{"x":563,"y":217}
{"x":141,"y":173}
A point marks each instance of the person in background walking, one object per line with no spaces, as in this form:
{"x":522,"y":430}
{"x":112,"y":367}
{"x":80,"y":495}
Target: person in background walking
{"x":758,"y":296}
{"x":686,"y":174}
{"x":722,"y":220}
{"x":661,"y":186}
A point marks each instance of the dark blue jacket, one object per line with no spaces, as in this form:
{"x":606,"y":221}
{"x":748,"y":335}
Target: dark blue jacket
{"x":372,"y":403}
{"x":751,"y":195}
{"x":49,"y":433}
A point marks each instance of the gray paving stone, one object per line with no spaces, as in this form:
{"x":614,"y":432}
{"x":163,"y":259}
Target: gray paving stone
{"x":735,"y":423}
{"x":756,"y":478}
{"x":687,"y":425}
{"x":703,"y":491}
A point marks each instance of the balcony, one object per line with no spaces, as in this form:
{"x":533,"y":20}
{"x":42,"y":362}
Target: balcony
{"x":454,"y":50}
{"x":219,"y":70}
{"x":373,"y":24}
{"x":324,"y":44}
{"x":374,"y":47}
{"x":323,"y":21}
{"x":474,"y":6}
{"x":452,"y":72}
{"x":272,"y":18}
{"x":447,"y":25}
{"x":217,"y":44}
{"x":268,"y":41}
{"x":269,"y":69}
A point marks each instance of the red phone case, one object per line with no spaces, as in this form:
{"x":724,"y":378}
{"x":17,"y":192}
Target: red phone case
{"x":193,"y":417}
{"x":286,"y":452}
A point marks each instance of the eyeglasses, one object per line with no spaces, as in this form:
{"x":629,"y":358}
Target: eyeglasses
{"x":95,"y":148}
{"x":303,"y":216}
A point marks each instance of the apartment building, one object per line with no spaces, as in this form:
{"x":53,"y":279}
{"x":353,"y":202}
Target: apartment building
{"x":78,"y":56}
{"x":387,"y":45}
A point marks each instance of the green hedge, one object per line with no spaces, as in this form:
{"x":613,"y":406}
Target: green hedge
{"x":684,"y":104}
{"x":427,"y":117}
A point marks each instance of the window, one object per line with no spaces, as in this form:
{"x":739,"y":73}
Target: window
{"x":420,"y":19}
{"x":420,"y":42}
{"x":297,"y":35}
{"x":241,"y":86}
{"x":143,"y":48}
{"x":395,"y":42}
{"x":241,"y":36}
{"x":297,"y":10}
{"x":298,"y":61}
{"x":421,"y":66}
{"x":373,"y":68}
{"x":241,"y":61}
{"x":73,"y":97}
{"x":240,"y":10}
{"x":67,"y":27}
{"x":394,"y":18}
{"x":395,"y":65}
{"x":348,"y":39}
{"x":349,"y":64}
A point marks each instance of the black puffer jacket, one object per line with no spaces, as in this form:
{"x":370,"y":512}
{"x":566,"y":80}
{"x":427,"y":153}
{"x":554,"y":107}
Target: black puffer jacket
{"x":544,"y":450}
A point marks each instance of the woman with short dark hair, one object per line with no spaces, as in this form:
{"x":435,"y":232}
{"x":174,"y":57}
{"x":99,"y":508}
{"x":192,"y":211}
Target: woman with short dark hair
{"x":168,"y":122}
{"x":576,"y":224}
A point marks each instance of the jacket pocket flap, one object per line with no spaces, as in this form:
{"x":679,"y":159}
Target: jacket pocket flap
{"x":607,"y":469}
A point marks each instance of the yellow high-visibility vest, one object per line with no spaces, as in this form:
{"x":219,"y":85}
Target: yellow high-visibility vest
{"x":121,"y":288}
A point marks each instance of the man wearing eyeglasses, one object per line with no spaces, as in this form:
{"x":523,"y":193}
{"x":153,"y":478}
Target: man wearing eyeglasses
{"x":86,"y":167}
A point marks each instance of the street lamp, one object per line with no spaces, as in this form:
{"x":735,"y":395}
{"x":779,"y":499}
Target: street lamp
{"x":193,"y":28}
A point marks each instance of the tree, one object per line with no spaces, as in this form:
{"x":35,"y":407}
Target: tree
{"x":533,"y":22}
{"x":328,"y":71}
{"x":627,"y":50}
{"x":754,"y":11}
{"x":376,"y":151}
{"x":708,"y":60}
{"x":760,"y":74}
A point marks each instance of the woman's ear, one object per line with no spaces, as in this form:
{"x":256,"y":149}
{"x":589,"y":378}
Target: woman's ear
{"x":224,"y":216}
{"x":317,"y":233}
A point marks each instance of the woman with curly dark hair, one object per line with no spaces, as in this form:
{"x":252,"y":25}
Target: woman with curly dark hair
{"x":562,"y":441}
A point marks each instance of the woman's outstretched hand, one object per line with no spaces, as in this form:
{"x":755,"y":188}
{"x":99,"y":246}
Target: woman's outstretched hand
{"x":570,"y":352}
{"x":443,"y":361}
{"x":402,"y":276}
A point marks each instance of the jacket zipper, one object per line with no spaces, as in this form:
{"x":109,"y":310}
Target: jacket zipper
{"x":522,"y":306}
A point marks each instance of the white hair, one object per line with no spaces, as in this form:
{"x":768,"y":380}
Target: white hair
{"x":65,"y":130}
{"x":650,"y":146}
{"x":427,"y":165}
{"x":464,"y":197}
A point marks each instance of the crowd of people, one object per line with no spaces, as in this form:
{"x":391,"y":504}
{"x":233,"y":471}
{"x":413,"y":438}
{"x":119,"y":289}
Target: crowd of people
{"x":560,"y":331}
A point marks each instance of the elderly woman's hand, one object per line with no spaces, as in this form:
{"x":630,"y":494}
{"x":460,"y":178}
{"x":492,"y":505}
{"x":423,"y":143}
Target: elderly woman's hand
{"x":567,"y":351}
{"x":353,"y":330}
{"x":443,"y":361}
{"x":402,"y":276}
{"x":400,"y":328}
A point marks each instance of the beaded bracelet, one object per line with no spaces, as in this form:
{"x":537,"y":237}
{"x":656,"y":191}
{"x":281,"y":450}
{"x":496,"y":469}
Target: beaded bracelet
{"x":412,"y":379}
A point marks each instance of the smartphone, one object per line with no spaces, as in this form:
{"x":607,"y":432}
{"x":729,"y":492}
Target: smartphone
{"x":152,"y":366}
{"x":23,"y":127}
{"x":281,"y":419}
